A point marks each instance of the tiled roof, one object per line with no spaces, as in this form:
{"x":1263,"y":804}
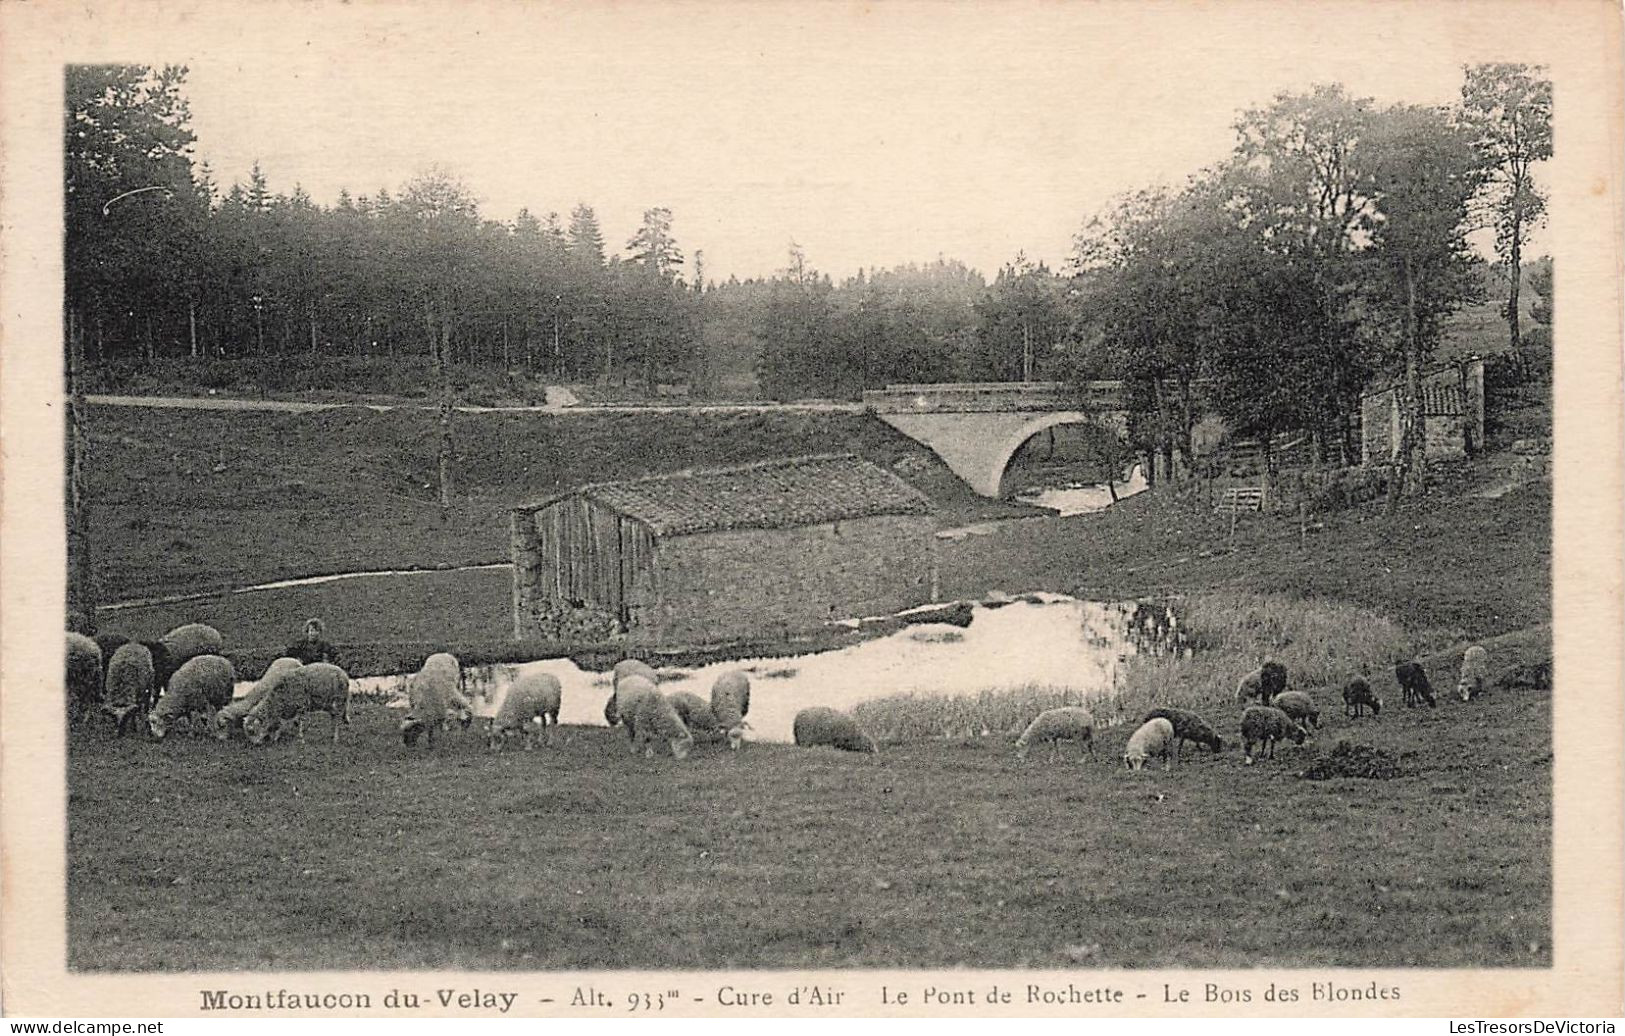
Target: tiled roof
{"x":775,"y":494}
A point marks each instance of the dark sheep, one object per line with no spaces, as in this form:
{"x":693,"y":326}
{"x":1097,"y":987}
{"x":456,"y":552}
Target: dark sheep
{"x":1358,"y":696}
{"x":1263,"y":725}
{"x":84,"y":676}
{"x":1188,"y":726}
{"x":1263,"y":683}
{"x":1299,"y":706}
{"x":1413,"y":680}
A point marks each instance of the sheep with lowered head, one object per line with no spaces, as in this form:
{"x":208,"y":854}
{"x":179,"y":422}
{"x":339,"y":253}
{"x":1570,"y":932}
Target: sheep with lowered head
{"x":1413,"y":681}
{"x":1299,"y":706}
{"x":318,"y":687}
{"x":824,"y":726}
{"x":730,"y":704}
{"x":84,"y":676}
{"x":1262,"y":683}
{"x":179,"y":646}
{"x":1188,"y":726}
{"x":533,"y":702}
{"x":624,"y":668}
{"x":202,"y":685}
{"x":1264,"y":725}
{"x":1358,"y":696}
{"x":657,"y":721}
{"x":229,"y":720}
{"x":694,"y":712}
{"x":1475,"y":666}
{"x":1155,"y":739}
{"x":1052,"y":726}
{"x":434,"y":699}
{"x":129,"y":690}
{"x":629,"y":694}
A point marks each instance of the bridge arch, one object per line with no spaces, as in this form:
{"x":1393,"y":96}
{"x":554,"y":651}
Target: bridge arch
{"x":1004,"y":450}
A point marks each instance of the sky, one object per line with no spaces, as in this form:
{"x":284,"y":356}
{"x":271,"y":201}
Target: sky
{"x":872,"y":135}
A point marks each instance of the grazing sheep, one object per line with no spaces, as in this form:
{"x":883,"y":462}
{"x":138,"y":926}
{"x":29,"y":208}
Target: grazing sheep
{"x":629,"y":693}
{"x":1413,"y":680}
{"x":129,"y":688}
{"x":203,"y":684}
{"x":109,"y":643}
{"x":1188,"y":726}
{"x":730,"y":704}
{"x":1154,"y":739}
{"x":1299,"y":706}
{"x":318,"y":687}
{"x":1263,"y":725}
{"x":533,"y":702}
{"x":179,"y":646}
{"x":657,"y":720}
{"x":1262,"y":683}
{"x":1474,"y":673}
{"x":1067,"y":723}
{"x":633,"y":667}
{"x":229,"y":720}
{"x":84,"y":676}
{"x":624,"y":668}
{"x":434,"y":700}
{"x":1358,"y":696}
{"x":822,"y":725}
{"x":695,"y":713}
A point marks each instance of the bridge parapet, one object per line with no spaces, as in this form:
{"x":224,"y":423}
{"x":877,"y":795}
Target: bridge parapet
{"x":992,"y":397}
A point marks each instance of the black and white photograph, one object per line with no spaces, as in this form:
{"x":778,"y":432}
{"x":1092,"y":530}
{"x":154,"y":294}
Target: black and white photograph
{"x":602,"y":497}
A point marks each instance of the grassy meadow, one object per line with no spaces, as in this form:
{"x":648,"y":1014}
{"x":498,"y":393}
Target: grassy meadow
{"x":191,"y":854}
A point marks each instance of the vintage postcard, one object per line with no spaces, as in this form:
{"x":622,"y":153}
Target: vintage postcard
{"x":811,"y":509}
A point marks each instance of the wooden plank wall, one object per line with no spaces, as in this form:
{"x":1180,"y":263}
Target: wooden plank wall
{"x":590,"y":553}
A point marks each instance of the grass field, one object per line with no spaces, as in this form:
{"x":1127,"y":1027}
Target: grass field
{"x":189,"y":854}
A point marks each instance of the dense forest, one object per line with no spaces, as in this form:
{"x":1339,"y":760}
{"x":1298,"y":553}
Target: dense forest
{"x":1328,"y":248}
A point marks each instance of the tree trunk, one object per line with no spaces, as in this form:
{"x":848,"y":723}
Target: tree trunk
{"x":445,"y":450}
{"x":1411,"y":476}
{"x":1515,"y":264}
{"x":191,"y":325}
{"x":81,"y":573}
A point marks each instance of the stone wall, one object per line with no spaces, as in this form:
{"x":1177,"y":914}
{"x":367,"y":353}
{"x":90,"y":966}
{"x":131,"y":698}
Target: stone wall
{"x":711,"y":588}
{"x":1454,"y":398}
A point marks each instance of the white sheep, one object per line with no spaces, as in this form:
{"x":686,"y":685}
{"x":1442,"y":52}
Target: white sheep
{"x":1299,"y":706}
{"x":694,"y":712}
{"x":629,"y":693}
{"x":1475,"y":673}
{"x":1264,"y":725}
{"x":179,"y":646}
{"x":1155,"y":739}
{"x":318,"y":687}
{"x":1066,"y":723}
{"x":129,"y":689}
{"x":657,"y":720}
{"x":434,"y":699}
{"x":229,"y":720}
{"x":533,"y":701}
{"x":203,"y":684}
{"x":730,"y":704}
{"x":824,"y":726}
{"x":84,"y":676}
{"x":1262,"y":683}
{"x":624,"y":668}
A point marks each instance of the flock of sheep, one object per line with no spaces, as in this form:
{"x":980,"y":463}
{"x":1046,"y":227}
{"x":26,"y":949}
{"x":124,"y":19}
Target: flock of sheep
{"x":1279,"y":714}
{"x":185,"y":676}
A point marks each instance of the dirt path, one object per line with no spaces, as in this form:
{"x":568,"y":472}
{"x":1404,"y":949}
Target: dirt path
{"x":560,"y":401}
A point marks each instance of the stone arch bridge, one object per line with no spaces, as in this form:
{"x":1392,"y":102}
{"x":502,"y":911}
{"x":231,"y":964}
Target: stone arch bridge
{"x":977,"y":427}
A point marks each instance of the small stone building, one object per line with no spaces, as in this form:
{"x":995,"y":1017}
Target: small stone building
{"x":726,"y":554}
{"x":1452,"y":409}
